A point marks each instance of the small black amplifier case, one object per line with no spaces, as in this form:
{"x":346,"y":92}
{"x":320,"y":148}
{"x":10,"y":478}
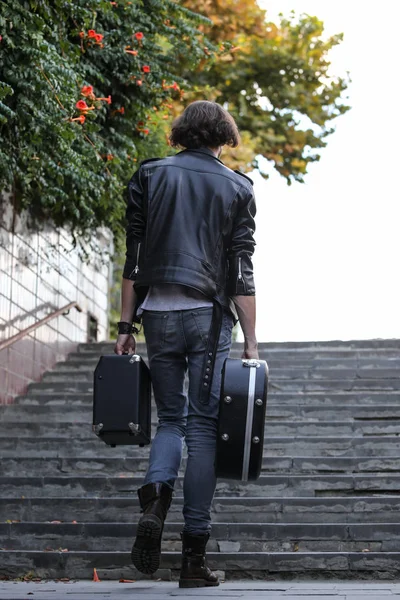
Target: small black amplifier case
{"x":122,"y":400}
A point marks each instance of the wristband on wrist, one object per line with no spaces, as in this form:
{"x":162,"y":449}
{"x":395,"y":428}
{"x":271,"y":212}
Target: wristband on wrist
{"x":125,"y":328}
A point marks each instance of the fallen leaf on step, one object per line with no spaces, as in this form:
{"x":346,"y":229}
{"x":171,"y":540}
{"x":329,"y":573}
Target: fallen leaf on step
{"x":366,"y":550}
{"x":75,"y":522}
{"x":63,"y":550}
{"x":55,"y":522}
{"x":127,"y":580}
{"x":63,"y":579}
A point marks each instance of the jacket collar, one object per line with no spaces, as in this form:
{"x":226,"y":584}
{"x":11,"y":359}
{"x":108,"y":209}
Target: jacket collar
{"x":204,"y":150}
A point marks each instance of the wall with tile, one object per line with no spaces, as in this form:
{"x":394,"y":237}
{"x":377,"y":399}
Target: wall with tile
{"x":39,"y":273}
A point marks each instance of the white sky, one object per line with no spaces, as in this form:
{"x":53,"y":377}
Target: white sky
{"x":327,"y":259}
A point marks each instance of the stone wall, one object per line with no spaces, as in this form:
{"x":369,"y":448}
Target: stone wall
{"x":39,"y":273}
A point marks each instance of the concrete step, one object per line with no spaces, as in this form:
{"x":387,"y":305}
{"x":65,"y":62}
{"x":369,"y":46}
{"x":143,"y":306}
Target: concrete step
{"x":82,"y":429}
{"x":388,"y":371}
{"x":286,"y":385}
{"x":73,"y":411}
{"x":84,"y":361}
{"x":226,"y":537}
{"x":280,"y":509}
{"x":373,"y":344}
{"x":28,"y":465}
{"x":53,"y":446}
{"x":319,"y":398}
{"x":263,"y":565}
{"x":278,"y":374}
{"x":272,"y":485}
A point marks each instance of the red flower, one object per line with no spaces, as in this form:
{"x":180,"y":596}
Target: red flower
{"x":113,"y":4}
{"x":139,"y":35}
{"x":121,"y":110}
{"x":81,"y":34}
{"x":146,"y":131}
{"x":139,"y":82}
{"x":81,"y":119}
{"x":108,"y":99}
{"x":98,"y":37}
{"x":146,"y":69}
{"x":87,"y":90}
{"x":81,"y":105}
{"x":91,"y":33}
{"x":175,"y":86}
{"x":133,"y":52}
{"x":110,"y":156}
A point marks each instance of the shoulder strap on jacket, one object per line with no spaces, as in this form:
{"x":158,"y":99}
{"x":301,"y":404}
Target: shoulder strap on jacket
{"x":245,"y":176}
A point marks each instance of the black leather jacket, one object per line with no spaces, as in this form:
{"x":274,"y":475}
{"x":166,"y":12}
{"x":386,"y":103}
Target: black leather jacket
{"x":191,"y":222}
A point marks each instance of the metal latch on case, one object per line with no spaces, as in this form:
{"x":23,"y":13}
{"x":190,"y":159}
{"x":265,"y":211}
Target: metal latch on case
{"x":251,"y":362}
{"x":97,"y":428}
{"x":134,"y":358}
{"x":135,"y":428}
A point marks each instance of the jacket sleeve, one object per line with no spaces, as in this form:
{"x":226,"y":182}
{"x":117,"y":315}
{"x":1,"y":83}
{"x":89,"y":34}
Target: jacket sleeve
{"x":241,"y":250}
{"x":136,"y":228}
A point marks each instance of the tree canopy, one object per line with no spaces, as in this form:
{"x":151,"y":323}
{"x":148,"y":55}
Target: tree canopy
{"x":274,"y":81}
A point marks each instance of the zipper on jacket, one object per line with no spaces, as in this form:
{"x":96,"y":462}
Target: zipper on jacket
{"x":240,"y":276}
{"x":136,"y":269}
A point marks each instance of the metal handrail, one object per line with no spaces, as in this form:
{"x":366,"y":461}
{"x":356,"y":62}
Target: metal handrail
{"x":50,"y":317}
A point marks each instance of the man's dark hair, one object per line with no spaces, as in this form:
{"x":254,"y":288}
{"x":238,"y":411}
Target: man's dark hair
{"x":204,"y":124}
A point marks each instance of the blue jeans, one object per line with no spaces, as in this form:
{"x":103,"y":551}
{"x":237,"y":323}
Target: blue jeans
{"x":176,"y":344}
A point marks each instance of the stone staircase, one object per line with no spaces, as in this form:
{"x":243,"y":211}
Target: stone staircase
{"x":327,"y":503}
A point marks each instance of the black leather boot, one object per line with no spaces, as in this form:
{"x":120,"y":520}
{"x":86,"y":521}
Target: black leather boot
{"x":155,"y":500}
{"x":195,"y":572}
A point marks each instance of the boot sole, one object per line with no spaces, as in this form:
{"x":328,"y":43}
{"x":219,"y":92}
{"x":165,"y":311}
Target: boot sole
{"x":146,"y":552}
{"x":196,"y":583}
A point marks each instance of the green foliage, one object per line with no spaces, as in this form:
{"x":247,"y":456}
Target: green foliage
{"x":57,"y":167}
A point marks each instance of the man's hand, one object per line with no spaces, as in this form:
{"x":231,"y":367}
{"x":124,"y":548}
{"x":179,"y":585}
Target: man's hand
{"x":250,"y":351}
{"x":126,"y":344}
